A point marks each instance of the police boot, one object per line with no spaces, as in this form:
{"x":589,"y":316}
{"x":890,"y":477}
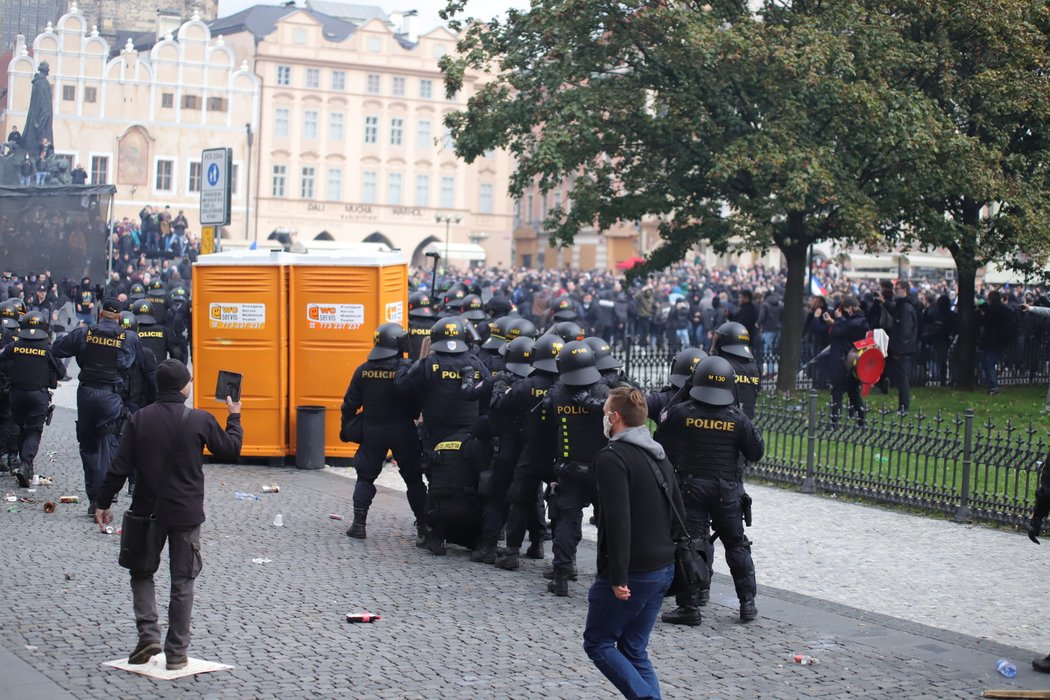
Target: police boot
{"x":535,"y":550}
{"x":748,"y":611}
{"x":435,"y":543}
{"x":682,"y":615}
{"x":357,"y":528}
{"x":484,"y":554}
{"x":508,"y":560}
{"x":1042,"y":665}
{"x":25,"y":475}
{"x":704,"y":597}
{"x":549,"y":573}
{"x":421,"y":535}
{"x":559,"y":586}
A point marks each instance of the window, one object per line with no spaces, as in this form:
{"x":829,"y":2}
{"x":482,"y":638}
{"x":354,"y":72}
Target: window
{"x":234,"y":172}
{"x":191,"y":101}
{"x":284,"y":75}
{"x":167,"y":100}
{"x":371,"y":129}
{"x":393,"y":189}
{"x":424,"y":140}
{"x":194,"y":184}
{"x":90,"y":94}
{"x":426,"y":89}
{"x":397,"y":131}
{"x":399,"y":87}
{"x":313,"y":77}
{"x":280,"y":176}
{"x":99,"y":170}
{"x":372,"y":84}
{"x":339,"y":80}
{"x":448,"y":191}
{"x":485,"y":199}
{"x":335,"y":126}
{"x":299,"y":36}
{"x":335,"y":184}
{"x":281,"y":119}
{"x":162,"y":182}
{"x":306,"y":183}
{"x":69,"y":93}
{"x":422,"y":190}
{"x":446,"y":138}
{"x":368,"y":187}
{"x":374,"y":44}
{"x":216,"y":104}
{"x":310,"y":124}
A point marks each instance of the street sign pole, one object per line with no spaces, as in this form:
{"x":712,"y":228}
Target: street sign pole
{"x":216,"y":168}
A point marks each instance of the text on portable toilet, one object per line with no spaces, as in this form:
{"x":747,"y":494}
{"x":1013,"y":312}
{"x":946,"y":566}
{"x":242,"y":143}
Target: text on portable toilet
{"x":337,"y":317}
{"x":236,"y":315}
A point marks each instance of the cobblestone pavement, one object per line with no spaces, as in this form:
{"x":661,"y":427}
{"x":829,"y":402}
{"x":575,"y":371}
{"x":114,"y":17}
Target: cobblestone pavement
{"x":451,"y":628}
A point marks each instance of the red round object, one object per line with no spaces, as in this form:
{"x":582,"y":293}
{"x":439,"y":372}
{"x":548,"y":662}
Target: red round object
{"x":867,"y":364}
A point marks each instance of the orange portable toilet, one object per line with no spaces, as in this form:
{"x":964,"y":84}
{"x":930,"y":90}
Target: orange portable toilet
{"x":335,"y":302}
{"x":240,"y":324}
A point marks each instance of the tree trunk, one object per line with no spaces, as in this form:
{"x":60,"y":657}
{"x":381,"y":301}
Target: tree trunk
{"x":794,"y":250}
{"x":967,"y":340}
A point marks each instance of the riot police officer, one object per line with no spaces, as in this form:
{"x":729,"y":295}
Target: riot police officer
{"x":420,"y":321}
{"x":11,"y":310}
{"x":568,"y":331}
{"x":506,"y":426}
{"x":141,"y":387}
{"x":448,"y":381}
{"x":679,"y":383}
{"x":707,"y":439}
{"x":385,"y":423}
{"x":33,"y":371}
{"x":137,"y":292}
{"x":157,"y":294}
{"x":491,"y":354}
{"x":453,"y":512}
{"x":525,"y":404}
{"x":522,"y":328}
{"x":105,"y":353}
{"x":733,"y":342}
{"x":606,"y":363}
{"x":563,"y":309}
{"x":158,"y":339}
{"x":576,"y":405}
{"x":179,"y":322}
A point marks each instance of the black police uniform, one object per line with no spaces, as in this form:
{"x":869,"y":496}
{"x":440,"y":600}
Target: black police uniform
{"x":707,"y":445}
{"x":105,"y":352}
{"x":748,"y":382}
{"x":450,"y":386}
{"x":525,"y":404}
{"x":158,"y":339}
{"x":159,"y":299}
{"x":577,"y":417}
{"x":8,"y":431}
{"x":506,"y":425}
{"x":140,"y":387}
{"x":387,"y":414}
{"x":453,"y":511}
{"x":179,"y":325}
{"x":33,"y":370}
{"x":418,"y":330}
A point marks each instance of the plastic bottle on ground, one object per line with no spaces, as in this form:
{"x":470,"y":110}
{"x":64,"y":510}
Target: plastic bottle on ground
{"x":1005,"y":667}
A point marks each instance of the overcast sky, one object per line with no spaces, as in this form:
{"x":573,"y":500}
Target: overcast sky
{"x":428,"y":9}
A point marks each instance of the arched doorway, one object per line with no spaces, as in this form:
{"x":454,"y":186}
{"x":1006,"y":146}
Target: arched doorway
{"x":377,"y":237}
{"x":324,"y":236}
{"x":417,"y":255}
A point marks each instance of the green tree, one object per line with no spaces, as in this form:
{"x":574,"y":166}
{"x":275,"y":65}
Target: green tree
{"x":986,"y":196}
{"x":796,"y":122}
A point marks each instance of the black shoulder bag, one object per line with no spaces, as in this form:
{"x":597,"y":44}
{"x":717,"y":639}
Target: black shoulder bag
{"x":690,"y":568}
{"x":139,"y":548}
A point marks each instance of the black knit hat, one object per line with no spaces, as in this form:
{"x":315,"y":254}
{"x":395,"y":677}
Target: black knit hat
{"x":171,"y":376}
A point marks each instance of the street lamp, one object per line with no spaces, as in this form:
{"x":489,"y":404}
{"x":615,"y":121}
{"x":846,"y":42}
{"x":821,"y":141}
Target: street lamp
{"x":448,"y":220}
{"x":248,"y":184}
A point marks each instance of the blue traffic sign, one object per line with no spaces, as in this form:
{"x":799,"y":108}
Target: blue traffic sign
{"x":213,"y":174}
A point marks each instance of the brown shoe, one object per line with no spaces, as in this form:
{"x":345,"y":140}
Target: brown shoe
{"x":143,"y":653}
{"x":177,"y":663}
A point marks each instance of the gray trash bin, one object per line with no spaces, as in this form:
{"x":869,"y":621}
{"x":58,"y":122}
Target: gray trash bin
{"x":309,"y":437}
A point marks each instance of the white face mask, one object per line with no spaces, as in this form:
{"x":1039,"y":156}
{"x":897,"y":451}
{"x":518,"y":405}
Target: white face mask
{"x":606,"y":426}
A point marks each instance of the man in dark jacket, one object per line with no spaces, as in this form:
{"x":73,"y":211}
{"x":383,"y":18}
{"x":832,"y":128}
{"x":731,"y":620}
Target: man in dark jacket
{"x":998,"y":326}
{"x":747,"y":314}
{"x":636,"y":546}
{"x":846,"y":327}
{"x":904,"y":342}
{"x":163,"y":443}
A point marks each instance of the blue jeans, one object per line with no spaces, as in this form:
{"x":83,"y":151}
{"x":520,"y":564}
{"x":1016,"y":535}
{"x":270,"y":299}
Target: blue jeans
{"x":986,"y":362}
{"x":617,"y":632}
{"x":770,"y":351}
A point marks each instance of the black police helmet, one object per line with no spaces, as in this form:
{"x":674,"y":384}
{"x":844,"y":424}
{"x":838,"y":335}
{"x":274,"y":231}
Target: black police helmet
{"x":605,"y":360}
{"x":683,"y":365}
{"x":545,"y":353}
{"x":518,"y":358}
{"x":568,"y":331}
{"x":137,"y":291}
{"x":734,"y":339}
{"x":420,"y":306}
{"x":20,"y":306}
{"x":387,"y":340}
{"x":143,"y":311}
{"x":522,"y":328}
{"x":713,"y":382}
{"x":178,"y":294}
{"x":576,"y":364}
{"x":156,"y":285}
{"x":449,"y":336}
{"x":128,"y":321}
{"x":498,"y":305}
{"x":33,"y":326}
{"x":473,"y":309}
{"x":564,"y":309}
{"x":453,"y":298}
{"x":497,"y":333}
{"x":9,"y":315}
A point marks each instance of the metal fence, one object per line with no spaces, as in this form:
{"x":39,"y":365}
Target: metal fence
{"x":943,"y":464}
